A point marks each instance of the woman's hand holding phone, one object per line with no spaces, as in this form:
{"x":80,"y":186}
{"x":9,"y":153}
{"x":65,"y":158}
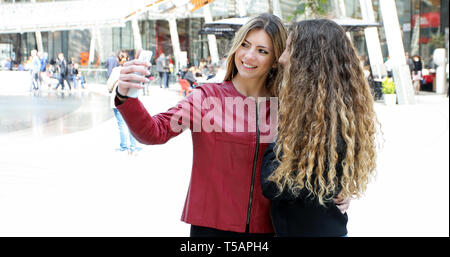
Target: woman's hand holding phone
{"x":133,"y":74}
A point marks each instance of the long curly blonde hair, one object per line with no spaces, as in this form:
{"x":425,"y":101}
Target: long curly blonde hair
{"x":323,"y":93}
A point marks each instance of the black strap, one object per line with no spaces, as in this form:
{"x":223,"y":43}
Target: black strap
{"x":119,"y":94}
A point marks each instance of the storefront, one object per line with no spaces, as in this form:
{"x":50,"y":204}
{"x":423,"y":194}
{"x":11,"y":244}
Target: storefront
{"x":419,"y":37}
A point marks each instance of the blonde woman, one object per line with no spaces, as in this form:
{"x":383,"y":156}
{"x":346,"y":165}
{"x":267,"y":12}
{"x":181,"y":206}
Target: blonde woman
{"x":325,"y":147}
{"x":224,"y":196}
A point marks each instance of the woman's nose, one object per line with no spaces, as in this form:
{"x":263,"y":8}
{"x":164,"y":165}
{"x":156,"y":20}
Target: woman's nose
{"x":250,"y":54}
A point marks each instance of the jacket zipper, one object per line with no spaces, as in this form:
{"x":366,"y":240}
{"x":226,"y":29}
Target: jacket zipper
{"x":247,"y":228}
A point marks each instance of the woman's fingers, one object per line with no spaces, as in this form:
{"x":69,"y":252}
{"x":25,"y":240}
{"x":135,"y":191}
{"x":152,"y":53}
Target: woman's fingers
{"x":136,"y":62}
{"x":342,"y":204}
{"x":131,"y":77}
{"x":127,"y":85}
{"x":132,"y":74}
{"x":142,"y":69}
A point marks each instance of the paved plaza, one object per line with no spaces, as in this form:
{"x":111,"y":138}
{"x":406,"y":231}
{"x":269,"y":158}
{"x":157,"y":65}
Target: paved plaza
{"x":61,"y":176}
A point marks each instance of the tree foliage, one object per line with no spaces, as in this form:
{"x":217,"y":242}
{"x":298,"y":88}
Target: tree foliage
{"x":311,"y":8}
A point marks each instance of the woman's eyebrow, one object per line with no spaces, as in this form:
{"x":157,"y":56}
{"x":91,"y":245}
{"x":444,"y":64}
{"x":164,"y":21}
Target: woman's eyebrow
{"x":256,"y":46}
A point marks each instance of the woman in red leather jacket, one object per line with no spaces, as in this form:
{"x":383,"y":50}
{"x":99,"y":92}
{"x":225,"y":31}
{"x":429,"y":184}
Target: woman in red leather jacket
{"x":231,"y":125}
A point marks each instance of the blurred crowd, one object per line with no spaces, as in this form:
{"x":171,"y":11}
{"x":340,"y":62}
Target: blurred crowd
{"x":423,"y":74}
{"x":50,"y":74}
{"x":163,"y":71}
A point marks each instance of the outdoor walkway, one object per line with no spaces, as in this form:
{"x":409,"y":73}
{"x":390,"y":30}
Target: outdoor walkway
{"x":63,"y":177}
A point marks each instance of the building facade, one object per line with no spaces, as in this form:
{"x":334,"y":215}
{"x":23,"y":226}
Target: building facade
{"x":420,"y":36}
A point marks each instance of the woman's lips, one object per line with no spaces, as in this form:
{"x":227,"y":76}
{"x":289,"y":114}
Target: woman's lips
{"x":248,"y":66}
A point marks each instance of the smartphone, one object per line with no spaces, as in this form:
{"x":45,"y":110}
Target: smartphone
{"x":145,"y":56}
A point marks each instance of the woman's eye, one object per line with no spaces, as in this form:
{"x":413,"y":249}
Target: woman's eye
{"x":244,"y":45}
{"x":263,"y":51}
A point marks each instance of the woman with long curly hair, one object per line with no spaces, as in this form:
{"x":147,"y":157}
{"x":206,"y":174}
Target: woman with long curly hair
{"x":326,"y":138}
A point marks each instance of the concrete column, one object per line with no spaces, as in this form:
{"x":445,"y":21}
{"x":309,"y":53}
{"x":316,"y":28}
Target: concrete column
{"x":277,"y":9}
{"x":92,"y":46}
{"x":136,"y":34}
{"x":372,"y":41}
{"x":415,"y":37}
{"x":212,"y":43}
{"x":400,"y":70}
{"x":175,"y":41}
{"x":40,"y":47}
{"x":241,"y":8}
{"x":439,"y":60}
{"x":342,"y":13}
{"x":100,"y":50}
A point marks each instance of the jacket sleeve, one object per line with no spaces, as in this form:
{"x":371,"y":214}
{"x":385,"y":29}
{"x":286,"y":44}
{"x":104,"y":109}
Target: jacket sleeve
{"x":163,"y":126}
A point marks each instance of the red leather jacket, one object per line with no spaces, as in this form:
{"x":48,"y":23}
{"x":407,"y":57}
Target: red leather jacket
{"x":225,"y":188}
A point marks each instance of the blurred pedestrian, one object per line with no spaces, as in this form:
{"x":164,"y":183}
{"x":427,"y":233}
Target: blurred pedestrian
{"x":417,"y":73}
{"x":189,"y":76}
{"x":35,"y":68}
{"x":202,"y":64}
{"x":77,"y":76}
{"x":111,"y":63}
{"x":128,"y":143}
{"x":162,"y":67}
{"x":211,"y":72}
{"x":21,"y":66}
{"x":409,"y":62}
{"x":43,"y":56}
{"x":388,"y":65}
{"x":431,"y":64}
{"x":63,"y":68}
{"x":9,"y":64}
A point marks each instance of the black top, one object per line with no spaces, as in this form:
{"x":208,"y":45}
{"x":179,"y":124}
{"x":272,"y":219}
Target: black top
{"x":417,"y":65}
{"x":63,"y":67}
{"x":302,"y":215}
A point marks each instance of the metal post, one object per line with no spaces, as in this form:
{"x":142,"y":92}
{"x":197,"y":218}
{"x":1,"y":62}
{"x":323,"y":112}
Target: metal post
{"x":342,"y":13}
{"x":40,"y":48}
{"x":175,"y":41}
{"x":277,"y":9}
{"x":439,"y":60}
{"x":136,"y":34}
{"x":92,"y":47}
{"x":372,"y":41}
{"x":241,"y":10}
{"x":212,"y":43}
{"x":99,"y":42}
{"x":401,"y":72}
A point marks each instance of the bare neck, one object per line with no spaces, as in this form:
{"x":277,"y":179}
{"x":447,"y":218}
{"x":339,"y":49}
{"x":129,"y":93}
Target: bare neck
{"x":251,"y":87}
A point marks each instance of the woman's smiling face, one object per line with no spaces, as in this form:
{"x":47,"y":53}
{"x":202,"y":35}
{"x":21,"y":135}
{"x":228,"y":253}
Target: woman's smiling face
{"x":255,"y":56}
